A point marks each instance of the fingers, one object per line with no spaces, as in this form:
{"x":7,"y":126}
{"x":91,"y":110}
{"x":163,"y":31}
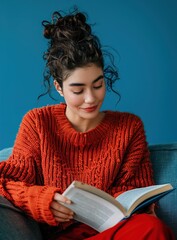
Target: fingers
{"x":60,"y":208}
{"x":60,"y":198}
{"x":61,"y":213}
{"x":152,"y":210}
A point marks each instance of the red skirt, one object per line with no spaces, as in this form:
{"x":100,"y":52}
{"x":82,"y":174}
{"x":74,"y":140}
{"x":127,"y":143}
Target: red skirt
{"x":139,"y":227}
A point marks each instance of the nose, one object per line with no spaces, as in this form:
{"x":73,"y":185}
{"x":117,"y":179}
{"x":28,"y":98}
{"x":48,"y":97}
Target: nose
{"x":89,"y":97}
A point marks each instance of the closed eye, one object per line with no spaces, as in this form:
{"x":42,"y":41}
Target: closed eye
{"x":97,"y":87}
{"x":79,"y":92}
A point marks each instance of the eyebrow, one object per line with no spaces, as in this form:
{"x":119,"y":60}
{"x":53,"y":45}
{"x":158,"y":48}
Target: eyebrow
{"x":82,"y":84}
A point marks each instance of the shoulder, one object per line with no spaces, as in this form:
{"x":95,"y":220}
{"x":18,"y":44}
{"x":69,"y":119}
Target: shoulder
{"x":125,"y":117}
{"x":40,"y":116}
{"x":45,"y":111}
{"x":128,"y":126}
{"x":125,"y":121}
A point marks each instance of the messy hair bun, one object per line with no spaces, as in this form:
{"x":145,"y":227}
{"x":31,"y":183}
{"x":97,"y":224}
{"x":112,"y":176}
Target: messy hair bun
{"x":71,"y":45}
{"x":69,"y":27}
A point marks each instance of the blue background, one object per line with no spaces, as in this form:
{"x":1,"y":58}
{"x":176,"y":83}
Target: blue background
{"x":144,"y":33}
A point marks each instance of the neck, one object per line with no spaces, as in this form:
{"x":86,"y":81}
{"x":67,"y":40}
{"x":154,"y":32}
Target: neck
{"x":84,"y":125}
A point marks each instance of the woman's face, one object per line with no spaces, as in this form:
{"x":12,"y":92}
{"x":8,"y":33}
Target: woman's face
{"x":84,"y":92}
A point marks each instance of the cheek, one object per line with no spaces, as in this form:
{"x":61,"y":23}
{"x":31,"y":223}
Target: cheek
{"x":73,"y":100}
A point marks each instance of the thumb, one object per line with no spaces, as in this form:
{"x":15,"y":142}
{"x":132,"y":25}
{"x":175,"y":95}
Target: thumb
{"x":60,"y":198}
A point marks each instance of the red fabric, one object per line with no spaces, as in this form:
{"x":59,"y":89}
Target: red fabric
{"x":138,"y":227}
{"x":76,"y":231}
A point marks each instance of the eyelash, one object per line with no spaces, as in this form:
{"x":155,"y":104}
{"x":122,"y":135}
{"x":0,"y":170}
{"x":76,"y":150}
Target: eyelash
{"x":98,"y":87}
{"x":77,"y":93}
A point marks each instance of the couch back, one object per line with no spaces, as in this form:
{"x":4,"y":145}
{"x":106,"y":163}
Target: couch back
{"x":164,"y":162}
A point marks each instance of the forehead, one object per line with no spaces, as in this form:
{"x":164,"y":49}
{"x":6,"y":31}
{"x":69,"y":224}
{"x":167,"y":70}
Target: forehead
{"x":85,"y":74}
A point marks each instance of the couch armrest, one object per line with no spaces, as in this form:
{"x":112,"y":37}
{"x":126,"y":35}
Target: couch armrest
{"x":164,"y":162}
{"x":5,"y":153}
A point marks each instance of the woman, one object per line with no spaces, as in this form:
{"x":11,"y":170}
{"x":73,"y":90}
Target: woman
{"x":76,"y":141}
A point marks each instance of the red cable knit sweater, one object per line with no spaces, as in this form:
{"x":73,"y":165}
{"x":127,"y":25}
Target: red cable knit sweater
{"x":49,"y":154}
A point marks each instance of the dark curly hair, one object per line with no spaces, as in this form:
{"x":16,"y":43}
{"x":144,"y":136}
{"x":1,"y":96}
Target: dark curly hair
{"x":72,"y":45}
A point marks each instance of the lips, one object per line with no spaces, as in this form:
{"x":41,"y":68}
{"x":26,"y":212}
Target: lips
{"x":90,"y":109}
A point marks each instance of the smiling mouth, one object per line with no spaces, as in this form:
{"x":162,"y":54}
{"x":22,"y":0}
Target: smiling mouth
{"x":90,"y":109}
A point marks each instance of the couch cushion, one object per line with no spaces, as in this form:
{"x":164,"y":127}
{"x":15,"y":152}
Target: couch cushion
{"x":5,"y":153}
{"x":164,"y":161}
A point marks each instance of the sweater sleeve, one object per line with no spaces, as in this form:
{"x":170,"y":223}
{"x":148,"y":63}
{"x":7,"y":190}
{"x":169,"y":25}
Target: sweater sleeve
{"x":136,"y":169}
{"x":21,"y":179}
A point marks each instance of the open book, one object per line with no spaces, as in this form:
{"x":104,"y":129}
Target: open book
{"x":101,"y":211}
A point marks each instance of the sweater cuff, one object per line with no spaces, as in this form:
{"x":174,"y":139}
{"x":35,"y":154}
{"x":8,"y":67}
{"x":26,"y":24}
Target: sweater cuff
{"x":39,"y":202}
{"x":34,"y":200}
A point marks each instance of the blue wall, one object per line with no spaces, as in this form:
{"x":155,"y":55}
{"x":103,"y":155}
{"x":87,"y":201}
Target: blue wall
{"x":144,"y":32}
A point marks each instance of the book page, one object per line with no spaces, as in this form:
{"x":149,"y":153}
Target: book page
{"x":133,"y":198}
{"x":93,"y":210}
{"x":102,"y":194}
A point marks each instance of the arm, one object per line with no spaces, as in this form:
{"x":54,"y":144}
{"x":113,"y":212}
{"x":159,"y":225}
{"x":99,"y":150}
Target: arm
{"x":21,"y":179}
{"x":136,"y":169}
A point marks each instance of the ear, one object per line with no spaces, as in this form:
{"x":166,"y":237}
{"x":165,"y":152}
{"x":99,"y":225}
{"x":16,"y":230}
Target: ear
{"x":58,"y":88}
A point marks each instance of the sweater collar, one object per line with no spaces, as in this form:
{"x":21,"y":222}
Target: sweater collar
{"x":92,"y":136}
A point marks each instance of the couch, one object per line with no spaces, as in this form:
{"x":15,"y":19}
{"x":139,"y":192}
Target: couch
{"x":164,"y":162}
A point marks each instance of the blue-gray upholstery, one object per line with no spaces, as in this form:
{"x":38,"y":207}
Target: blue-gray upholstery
{"x":164,"y":160}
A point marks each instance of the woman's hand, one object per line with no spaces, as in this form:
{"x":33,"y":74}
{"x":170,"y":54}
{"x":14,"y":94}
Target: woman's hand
{"x":152,"y":210}
{"x":149,"y":210}
{"x":60,"y":212}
